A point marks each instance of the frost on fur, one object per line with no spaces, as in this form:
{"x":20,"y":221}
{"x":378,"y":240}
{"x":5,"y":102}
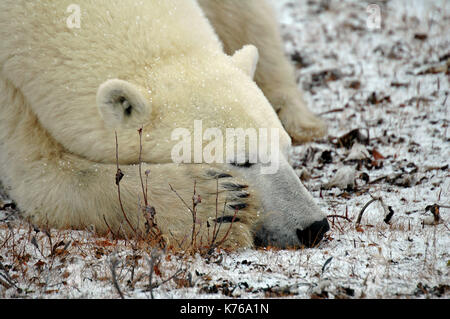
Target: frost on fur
{"x":65,"y":91}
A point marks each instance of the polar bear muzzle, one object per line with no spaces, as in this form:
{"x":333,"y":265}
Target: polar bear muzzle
{"x":290,"y":216}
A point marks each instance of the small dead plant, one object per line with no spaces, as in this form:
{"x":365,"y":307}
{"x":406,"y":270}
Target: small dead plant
{"x":213,"y":241}
{"x":152,"y":234}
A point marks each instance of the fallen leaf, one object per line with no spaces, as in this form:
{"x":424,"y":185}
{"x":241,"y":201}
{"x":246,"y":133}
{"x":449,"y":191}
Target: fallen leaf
{"x":420,"y":36}
{"x":347,"y":140}
{"x":157,"y":270}
{"x":376,"y":155}
{"x":119,"y":176}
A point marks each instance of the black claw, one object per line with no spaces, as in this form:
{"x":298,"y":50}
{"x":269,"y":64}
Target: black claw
{"x":218,"y":175}
{"x":238,"y":206}
{"x":227,"y":219}
{"x":246,"y":164}
{"x":233,"y":186}
{"x":242,"y":195}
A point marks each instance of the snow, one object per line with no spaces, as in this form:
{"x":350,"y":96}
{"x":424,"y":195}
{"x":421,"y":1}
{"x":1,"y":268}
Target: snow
{"x":377,"y":87}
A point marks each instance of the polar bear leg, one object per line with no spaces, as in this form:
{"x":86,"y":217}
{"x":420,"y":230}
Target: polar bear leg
{"x":238,"y":23}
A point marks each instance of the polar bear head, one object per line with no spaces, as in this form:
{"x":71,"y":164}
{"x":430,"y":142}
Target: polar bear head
{"x":205,"y":100}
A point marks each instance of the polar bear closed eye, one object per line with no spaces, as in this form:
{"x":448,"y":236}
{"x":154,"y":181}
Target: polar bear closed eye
{"x":65,"y":92}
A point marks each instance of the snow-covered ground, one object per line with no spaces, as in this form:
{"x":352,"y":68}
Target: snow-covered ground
{"x":388,"y":87}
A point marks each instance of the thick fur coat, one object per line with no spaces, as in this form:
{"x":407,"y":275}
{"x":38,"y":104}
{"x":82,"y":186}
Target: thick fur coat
{"x":159,"y":65}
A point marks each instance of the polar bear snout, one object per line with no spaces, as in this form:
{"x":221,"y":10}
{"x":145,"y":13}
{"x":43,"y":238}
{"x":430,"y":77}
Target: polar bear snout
{"x":273,"y":233}
{"x":312,"y":235}
{"x":290,"y":216}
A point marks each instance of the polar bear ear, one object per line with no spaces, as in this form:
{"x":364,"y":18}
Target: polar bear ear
{"x":122,"y":104}
{"x":246,"y":59}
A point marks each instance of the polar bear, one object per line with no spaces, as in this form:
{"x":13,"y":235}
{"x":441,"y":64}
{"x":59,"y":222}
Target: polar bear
{"x":67,"y":89}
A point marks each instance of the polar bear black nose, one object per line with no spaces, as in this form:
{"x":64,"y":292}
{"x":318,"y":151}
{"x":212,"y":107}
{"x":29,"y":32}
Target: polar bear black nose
{"x":312,"y":235}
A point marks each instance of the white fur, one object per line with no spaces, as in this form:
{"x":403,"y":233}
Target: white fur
{"x":247,"y":59}
{"x":58,"y":99}
{"x":115,"y":98}
{"x":252,"y":22}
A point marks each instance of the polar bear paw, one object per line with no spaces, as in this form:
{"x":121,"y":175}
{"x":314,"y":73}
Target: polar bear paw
{"x":301,"y":124}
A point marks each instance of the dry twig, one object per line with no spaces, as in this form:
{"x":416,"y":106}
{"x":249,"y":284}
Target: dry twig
{"x":119,"y":176}
{"x":113,"y":267}
{"x":388,"y":210}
